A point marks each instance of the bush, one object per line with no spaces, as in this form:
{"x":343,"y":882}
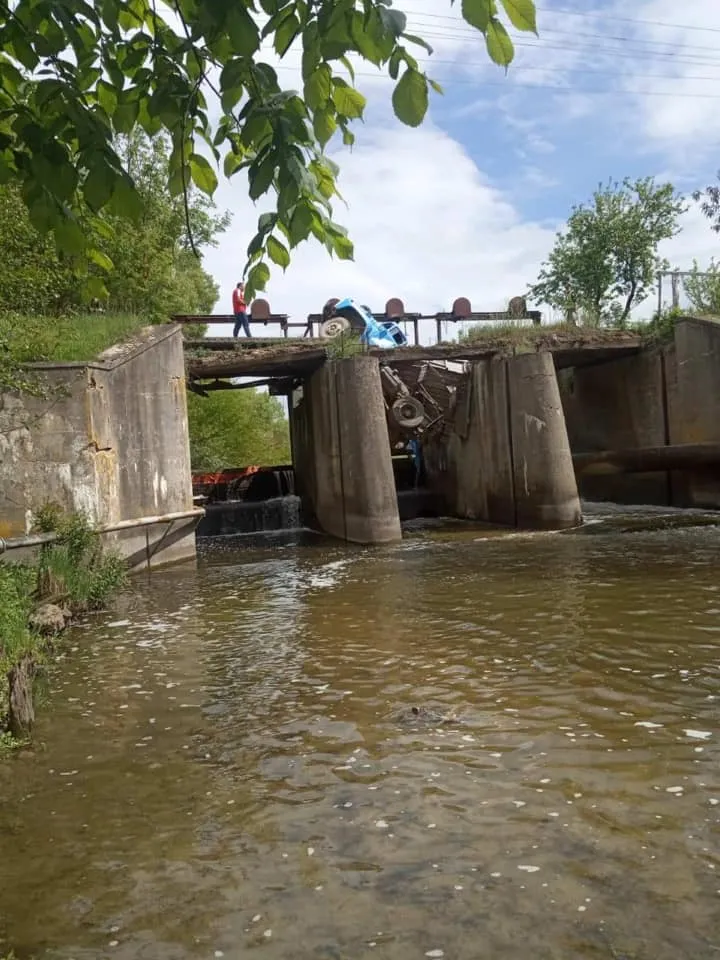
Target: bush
{"x":75,"y":568}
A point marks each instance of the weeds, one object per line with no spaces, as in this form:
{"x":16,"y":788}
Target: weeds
{"x":346,"y":345}
{"x":74,"y":571}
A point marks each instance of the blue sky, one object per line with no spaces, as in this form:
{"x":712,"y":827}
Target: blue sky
{"x":468,"y":204}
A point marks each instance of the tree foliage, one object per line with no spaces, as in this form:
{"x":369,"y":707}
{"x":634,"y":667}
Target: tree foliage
{"x":237,"y":428}
{"x":709,"y":200}
{"x":702,"y":289}
{"x":605,"y":261}
{"x":75,"y":74}
{"x":155,"y":273}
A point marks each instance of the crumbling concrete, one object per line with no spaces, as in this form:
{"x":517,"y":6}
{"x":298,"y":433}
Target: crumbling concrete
{"x":110,"y":439}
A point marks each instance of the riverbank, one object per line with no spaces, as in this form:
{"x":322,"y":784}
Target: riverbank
{"x":38,"y":600}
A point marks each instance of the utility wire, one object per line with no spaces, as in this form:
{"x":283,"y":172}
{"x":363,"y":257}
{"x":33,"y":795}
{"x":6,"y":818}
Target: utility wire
{"x":596,"y":15}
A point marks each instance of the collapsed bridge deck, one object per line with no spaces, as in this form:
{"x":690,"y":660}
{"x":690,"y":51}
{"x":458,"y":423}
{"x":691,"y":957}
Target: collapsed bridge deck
{"x":296,"y":359}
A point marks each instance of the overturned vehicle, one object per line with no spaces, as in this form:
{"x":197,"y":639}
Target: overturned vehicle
{"x":348,"y":316}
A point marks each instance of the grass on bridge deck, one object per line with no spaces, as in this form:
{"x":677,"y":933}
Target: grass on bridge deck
{"x":298,"y":357}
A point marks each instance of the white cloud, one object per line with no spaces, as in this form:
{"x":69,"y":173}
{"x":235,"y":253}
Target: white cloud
{"x":427,"y":227}
{"x":427,"y":223}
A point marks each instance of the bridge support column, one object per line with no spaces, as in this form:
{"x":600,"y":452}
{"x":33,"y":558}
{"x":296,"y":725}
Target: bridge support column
{"x":508,"y":458}
{"x":341,"y":450}
{"x":546,"y":495}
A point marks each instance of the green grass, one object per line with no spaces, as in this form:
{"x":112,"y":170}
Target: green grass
{"x":68,"y":338}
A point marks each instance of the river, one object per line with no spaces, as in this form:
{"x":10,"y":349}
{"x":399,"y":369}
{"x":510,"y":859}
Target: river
{"x":228,"y":764}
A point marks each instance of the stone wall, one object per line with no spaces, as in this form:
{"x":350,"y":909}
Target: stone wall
{"x":110,"y":440}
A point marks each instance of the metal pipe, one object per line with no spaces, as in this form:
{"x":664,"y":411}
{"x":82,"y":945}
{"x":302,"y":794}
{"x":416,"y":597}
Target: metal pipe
{"x":38,"y":539}
{"x":31,"y":540}
{"x":149,"y":521}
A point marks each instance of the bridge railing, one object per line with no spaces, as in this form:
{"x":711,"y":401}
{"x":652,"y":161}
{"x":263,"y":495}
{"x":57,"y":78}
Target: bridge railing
{"x":461,"y":312}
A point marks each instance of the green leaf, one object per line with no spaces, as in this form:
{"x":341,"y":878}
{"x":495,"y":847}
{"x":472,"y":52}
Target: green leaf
{"x":261,"y":177}
{"x":203,"y":175}
{"x":94,"y":288}
{"x":70,"y":238}
{"x":300,"y":224}
{"x":100,"y":258}
{"x":107,"y":97}
{"x":522,"y":14}
{"x":393,"y":20}
{"x":343,"y":248}
{"x":318,"y":87}
{"x":266,"y":222}
{"x":257,"y":278}
{"x":278,"y":252}
{"x":499,"y":44}
{"x":478,"y":13}
{"x":324,"y":126}
{"x":285,"y":34}
{"x":241,"y":29}
{"x":99,"y":184}
{"x":232,"y":163}
{"x":410,"y":98}
{"x":436,"y":86}
{"x":348,"y":101}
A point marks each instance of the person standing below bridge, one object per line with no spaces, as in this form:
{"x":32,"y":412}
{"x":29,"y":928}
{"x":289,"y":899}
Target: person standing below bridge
{"x":240,"y":310}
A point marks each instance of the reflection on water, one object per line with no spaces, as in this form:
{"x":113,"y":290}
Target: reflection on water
{"x":229,"y":762}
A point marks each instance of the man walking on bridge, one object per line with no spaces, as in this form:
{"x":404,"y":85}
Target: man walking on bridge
{"x":240,"y":310}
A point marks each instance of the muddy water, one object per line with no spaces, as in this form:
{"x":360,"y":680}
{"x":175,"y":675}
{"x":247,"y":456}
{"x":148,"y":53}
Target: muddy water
{"x":228,"y":764}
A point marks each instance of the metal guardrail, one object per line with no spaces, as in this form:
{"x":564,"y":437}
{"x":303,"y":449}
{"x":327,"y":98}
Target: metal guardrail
{"x":461,"y":312}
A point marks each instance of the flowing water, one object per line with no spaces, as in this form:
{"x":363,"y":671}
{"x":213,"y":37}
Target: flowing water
{"x":229,"y":763}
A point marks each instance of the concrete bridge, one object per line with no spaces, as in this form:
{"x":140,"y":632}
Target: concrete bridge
{"x":497,"y":450}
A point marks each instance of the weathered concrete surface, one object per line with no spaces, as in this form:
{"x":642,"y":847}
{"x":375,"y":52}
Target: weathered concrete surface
{"x":507,"y":459}
{"x":472,"y":467}
{"x":618,"y":406}
{"x":341,"y":452}
{"x":694,"y":406}
{"x":111,"y":441}
{"x":664,"y":395}
{"x":546,"y":494}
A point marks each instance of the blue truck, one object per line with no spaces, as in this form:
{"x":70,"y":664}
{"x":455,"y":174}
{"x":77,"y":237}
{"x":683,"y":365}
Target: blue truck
{"x":348,"y":316}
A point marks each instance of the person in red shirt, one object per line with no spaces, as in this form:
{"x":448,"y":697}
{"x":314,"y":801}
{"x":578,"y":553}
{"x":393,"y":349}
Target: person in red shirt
{"x":240,"y":310}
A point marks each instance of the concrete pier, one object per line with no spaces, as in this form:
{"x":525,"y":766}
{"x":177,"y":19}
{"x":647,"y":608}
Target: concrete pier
{"x":507,"y":459}
{"x":546,"y":495}
{"x":341,"y":451}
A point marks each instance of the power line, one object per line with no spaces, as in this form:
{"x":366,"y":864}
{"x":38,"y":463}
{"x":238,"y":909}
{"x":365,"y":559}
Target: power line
{"x":465,"y":29}
{"x":596,"y":51}
{"x":510,"y":85}
{"x":650,"y":23}
{"x":583,"y":13}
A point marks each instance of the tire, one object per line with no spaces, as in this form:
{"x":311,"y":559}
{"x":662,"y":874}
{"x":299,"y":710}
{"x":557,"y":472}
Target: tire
{"x":335,"y":327}
{"x":408,"y":412}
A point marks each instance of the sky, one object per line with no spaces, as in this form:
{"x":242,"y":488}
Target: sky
{"x":469,"y":203}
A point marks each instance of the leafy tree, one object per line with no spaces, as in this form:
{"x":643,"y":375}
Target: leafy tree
{"x":605,"y":262}
{"x":709,"y":199}
{"x":155,"y":272}
{"x":702,"y":288}
{"x":74,"y":74}
{"x":237,"y":428}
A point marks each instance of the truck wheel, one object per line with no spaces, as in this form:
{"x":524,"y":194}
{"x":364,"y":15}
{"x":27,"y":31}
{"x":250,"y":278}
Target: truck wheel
{"x":334,"y":327}
{"x":408,"y":412}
